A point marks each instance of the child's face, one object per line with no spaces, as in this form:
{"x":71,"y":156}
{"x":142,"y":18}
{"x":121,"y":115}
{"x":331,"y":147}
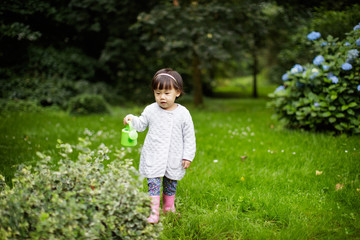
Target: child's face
{"x":166,"y":98}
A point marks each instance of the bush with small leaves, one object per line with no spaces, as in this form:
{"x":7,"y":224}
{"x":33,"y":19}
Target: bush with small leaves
{"x":80,"y":199}
{"x":19,"y":106}
{"x":324,"y":94}
{"x":88,"y":104}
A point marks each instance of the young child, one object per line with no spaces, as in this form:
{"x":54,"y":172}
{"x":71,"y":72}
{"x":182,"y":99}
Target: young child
{"x":169,"y":146}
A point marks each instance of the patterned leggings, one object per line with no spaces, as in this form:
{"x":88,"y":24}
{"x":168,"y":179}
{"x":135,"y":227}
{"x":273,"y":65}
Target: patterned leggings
{"x":169,"y":186}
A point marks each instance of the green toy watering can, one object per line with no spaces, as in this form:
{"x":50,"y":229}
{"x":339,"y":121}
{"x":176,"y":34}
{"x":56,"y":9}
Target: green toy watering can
{"x":129,"y":136}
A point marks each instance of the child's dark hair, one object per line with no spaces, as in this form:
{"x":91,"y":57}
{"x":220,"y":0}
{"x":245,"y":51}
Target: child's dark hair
{"x":167,"y":79}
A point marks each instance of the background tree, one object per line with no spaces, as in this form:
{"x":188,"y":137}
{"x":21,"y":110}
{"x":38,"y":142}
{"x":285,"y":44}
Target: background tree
{"x":192,"y":35}
{"x":256,"y":29}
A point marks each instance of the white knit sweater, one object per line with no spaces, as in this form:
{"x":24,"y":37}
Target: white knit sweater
{"x":170,"y":139}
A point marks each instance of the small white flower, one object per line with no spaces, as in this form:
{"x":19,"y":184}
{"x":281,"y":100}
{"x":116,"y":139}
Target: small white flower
{"x":215,"y":161}
{"x":346,"y":151}
{"x":294,"y":153}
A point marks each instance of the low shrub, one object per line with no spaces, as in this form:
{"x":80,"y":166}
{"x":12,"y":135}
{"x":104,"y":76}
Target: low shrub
{"x":45,"y":92}
{"x":88,"y":104}
{"x":325,"y":94}
{"x":80,"y":199}
{"x":18,"y":106}
{"x":53,"y":91}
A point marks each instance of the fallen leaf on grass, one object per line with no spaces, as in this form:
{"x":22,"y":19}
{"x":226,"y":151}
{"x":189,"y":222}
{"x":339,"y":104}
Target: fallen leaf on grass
{"x":339,"y":186}
{"x":318,"y":173}
{"x":243,"y":157}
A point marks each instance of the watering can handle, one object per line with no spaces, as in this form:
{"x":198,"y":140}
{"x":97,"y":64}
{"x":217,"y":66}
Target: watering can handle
{"x":130,"y":125}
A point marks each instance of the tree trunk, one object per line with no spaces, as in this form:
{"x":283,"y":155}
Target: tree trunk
{"x":196,"y":74}
{"x":255,"y":71}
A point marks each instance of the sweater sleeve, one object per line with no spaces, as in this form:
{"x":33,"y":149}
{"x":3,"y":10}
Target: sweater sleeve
{"x":189,"y":139}
{"x":142,"y":122}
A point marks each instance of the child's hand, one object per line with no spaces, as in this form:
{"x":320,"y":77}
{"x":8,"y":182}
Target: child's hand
{"x":186,"y":163}
{"x":127,"y":119}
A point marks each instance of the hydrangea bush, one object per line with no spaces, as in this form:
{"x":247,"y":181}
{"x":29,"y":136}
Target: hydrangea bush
{"x":324,"y":94}
{"x":80,"y":199}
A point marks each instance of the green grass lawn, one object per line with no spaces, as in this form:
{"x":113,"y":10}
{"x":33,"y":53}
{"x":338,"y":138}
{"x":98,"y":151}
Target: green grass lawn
{"x":242,"y":87}
{"x":250,"y":179}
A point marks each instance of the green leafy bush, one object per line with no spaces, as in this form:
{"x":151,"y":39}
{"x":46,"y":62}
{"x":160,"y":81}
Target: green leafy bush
{"x":88,"y":104}
{"x":45,"y":92}
{"x":324,"y":95}
{"x":19,"y":106}
{"x":53,"y":91}
{"x":80,"y":199}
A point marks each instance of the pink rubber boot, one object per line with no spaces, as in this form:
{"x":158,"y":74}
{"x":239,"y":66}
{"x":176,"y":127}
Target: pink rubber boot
{"x":155,"y":205}
{"x":168,"y":203}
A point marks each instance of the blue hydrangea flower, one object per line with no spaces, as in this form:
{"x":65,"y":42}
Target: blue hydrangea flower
{"x":325,"y":67}
{"x":314,"y":75}
{"x":285,"y":77}
{"x":280,"y":88}
{"x":346,"y":66}
{"x":297,"y":68}
{"x":358,"y":88}
{"x":357,"y":27}
{"x":323,"y":44}
{"x":313,"y":35}
{"x":347,"y":44}
{"x":352,"y":54}
{"x":358,"y":42}
{"x":318,"y":60}
{"x":316,"y":104}
{"x":334,"y":79}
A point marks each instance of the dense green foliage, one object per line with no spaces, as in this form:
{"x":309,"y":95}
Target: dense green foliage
{"x":324,"y":95}
{"x":54,"y":91}
{"x":73,"y":41}
{"x":79,"y":199}
{"x":250,"y":179}
{"x":88,"y":104}
{"x":19,"y":106}
{"x":123,"y":43}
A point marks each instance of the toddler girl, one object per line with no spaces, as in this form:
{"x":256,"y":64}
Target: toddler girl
{"x":169,"y":146}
